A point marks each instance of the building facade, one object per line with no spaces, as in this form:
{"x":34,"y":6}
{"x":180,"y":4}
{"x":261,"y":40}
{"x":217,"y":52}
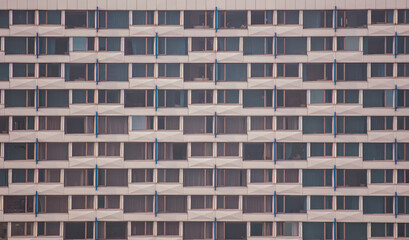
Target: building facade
{"x":204,"y":119}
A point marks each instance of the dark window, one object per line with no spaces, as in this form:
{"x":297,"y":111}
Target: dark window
{"x":142,"y":70}
{"x":78,"y":177}
{"x":79,"y":72}
{"x":142,"y":17}
{"x":112,"y":177}
{"x":291,"y":151}
{"x":49,"y":70}
{"x":231,"y":178}
{"x":347,"y":43}
{"x":168,"y":17}
{"x":316,"y":177}
{"x":227,"y":96}
{"x":172,"y":151}
{"x":257,"y":151}
{"x":81,"y":96}
{"x":257,"y":98}
{"x":138,"y":98}
{"x":79,"y":19}
{"x":18,"y":151}
{"x":261,"y":17}
{"x":351,"y":178}
{"x":378,"y":151}
{"x":19,"y":98}
{"x":287,"y":70}
{"x":378,"y":45}
{"x":169,"y":70}
{"x":317,"y":71}
{"x":172,"y":98}
{"x":202,"y":44}
{"x":347,"y":96}
{"x":113,"y":124}
{"x":198,"y":71}
{"x":316,"y":125}
{"x":198,"y":19}
{"x":347,"y":203}
{"x":23,"y":17}
{"x":53,"y":46}
{"x":321,"y":43}
{"x":291,"y":46}
{"x":317,"y":18}
{"x":381,"y":16}
{"x":201,"y":97}
{"x":378,"y":98}
{"x":134,"y":45}
{"x":232,"y":19}
{"x":291,"y":204}
{"x":381,"y":69}
{"x":288,"y":17}
{"x":291,"y":98}
{"x":50,"y":17}
{"x":172,"y":46}
{"x":23,"y":70}
{"x":352,"y":18}
{"x":257,"y":45}
{"x":4,"y":19}
{"x":113,"y":19}
{"x":19,"y":45}
{"x":228,"y":44}
{"x":4,"y":72}
{"x":351,"y":125}
{"x":381,"y":123}
{"x":378,"y":204}
{"x":113,"y":72}
{"x":321,"y":202}
{"x":261,"y":70}
{"x":317,"y":230}
{"x":112,"y":44}
{"x":381,"y":175}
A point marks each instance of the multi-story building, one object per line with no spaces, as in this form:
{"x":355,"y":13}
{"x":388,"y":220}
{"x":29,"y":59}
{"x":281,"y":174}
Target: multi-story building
{"x":204,"y":119}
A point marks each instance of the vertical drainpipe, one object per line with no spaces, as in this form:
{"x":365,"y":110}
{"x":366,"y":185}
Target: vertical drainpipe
{"x":396,"y":151}
{"x":156,"y":45}
{"x":335,"y":72}
{"x":36,"y":204}
{"x":335,"y":18}
{"x":215,"y":19}
{"x":37,"y":98}
{"x":215,"y":177}
{"x":96,"y":177}
{"x":214,"y":229}
{"x":275,"y":45}
{"x":275,"y":98}
{"x":156,"y":150}
{"x":96,"y":124}
{"x":37,"y":45}
{"x":97,"y":23}
{"x":275,"y":151}
{"x":335,"y":125}
{"x":96,"y":228}
{"x":36,"y":150}
{"x":215,"y":124}
{"x":156,"y":203}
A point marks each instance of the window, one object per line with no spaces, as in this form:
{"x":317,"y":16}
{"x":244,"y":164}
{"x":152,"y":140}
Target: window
{"x":227,"y":202}
{"x":403,"y":205}
{"x":53,"y":46}
{"x":231,"y":125}
{"x":291,"y":98}
{"x":378,"y":98}
{"x":78,"y":177}
{"x":403,"y":176}
{"x":172,"y":46}
{"x":321,"y":202}
{"x":227,"y":149}
{"x":168,"y":176}
{"x":23,"y":123}
{"x":109,"y":149}
{"x":172,"y":151}
{"x":169,"y":70}
{"x":198,"y":19}
{"x":167,"y":228}
{"x":321,"y":43}
{"x":202,"y":44}
{"x":137,"y":98}
{"x":261,"y":17}
{"x":317,"y":18}
{"x":4,"y":71}
{"x":403,"y":16}
{"x":403,"y":123}
{"x":52,"y":151}
{"x":22,"y":176}
{"x":257,"y":98}
{"x":52,"y":204}
{"x":381,"y":16}
{"x":231,"y":230}
{"x":352,"y":18}
{"x":257,"y":204}
{"x":172,"y":98}
{"x":108,"y":201}
{"x":113,"y":124}
{"x":261,"y":70}
{"x":320,"y":96}
{"x":201,"y":149}
{"x":288,"y":17}
{"x":82,"y":149}
{"x":138,"y":203}
{"x":287,"y":123}
{"x":197,"y":230}
{"x":168,"y":123}
{"x":347,"y":96}
{"x":171,"y":204}
{"x":257,"y":151}
{"x":4,"y":180}
{"x":351,"y":178}
{"x":142,"y":175}
{"x":261,"y":175}
{"x":231,"y":178}
{"x":227,"y":96}
{"x":403,"y":98}
{"x":48,"y":229}
{"x":78,"y":230}
{"x":201,"y":202}
{"x":403,"y":70}
{"x":403,"y":230}
{"x":381,"y":229}
{"x":133,"y":45}
{"x":317,"y":230}
{"x":403,"y":151}
{"x":79,"y":72}
{"x":112,"y":230}
{"x":22,"y":229}
{"x":321,"y":149}
{"x":381,"y":175}
{"x":287,"y":229}
{"x":347,"y":43}
{"x":287,"y":70}
{"x":23,"y":17}
{"x":23,"y":70}
{"x":261,"y":123}
{"x":142,"y":70}
{"x":347,"y":149}
{"x":232,"y":19}
{"x":4,"y":124}
{"x":198,"y":71}
{"x":378,"y":45}
{"x":287,"y":176}
{"x":378,"y":204}
{"x":112,"y":177}
{"x":18,"y":151}
{"x":291,"y":151}
{"x":113,"y":72}
{"x":291,"y":204}
{"x":316,"y":177}
{"x":82,"y":96}
{"x":19,"y":45}
{"x":168,"y":17}
{"x":49,"y":175}
{"x":141,"y":228}
{"x":316,"y":125}
{"x":79,"y":125}
{"x":79,"y":19}
{"x":18,"y":204}
{"x":201,"y":97}
{"x":381,"y":69}
{"x":257,"y":45}
{"x":142,"y":123}
{"x":113,"y":19}
{"x":291,"y":46}
{"x":48,"y":70}
{"x":4,"y":19}
{"x":347,"y":203}
{"x":232,"y":72}
{"x":351,"y":125}
{"x":53,"y":98}
{"x":82,"y":44}
{"x":142,"y":17}
{"x":351,"y":231}
{"x":381,"y":122}
{"x":317,"y":71}
{"x":197,"y":177}
{"x":52,"y":17}
{"x":378,"y":151}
